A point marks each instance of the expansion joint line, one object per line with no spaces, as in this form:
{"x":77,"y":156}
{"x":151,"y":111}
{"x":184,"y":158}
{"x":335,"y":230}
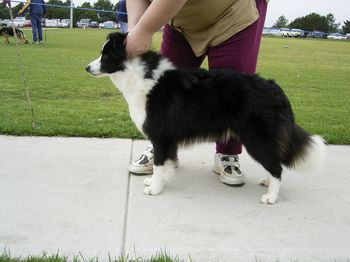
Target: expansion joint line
{"x":126,"y":211}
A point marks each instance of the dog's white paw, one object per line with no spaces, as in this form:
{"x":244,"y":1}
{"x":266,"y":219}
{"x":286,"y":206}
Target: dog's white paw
{"x":147,"y":181}
{"x":153,"y":189}
{"x":264,"y":182}
{"x":269,"y":198}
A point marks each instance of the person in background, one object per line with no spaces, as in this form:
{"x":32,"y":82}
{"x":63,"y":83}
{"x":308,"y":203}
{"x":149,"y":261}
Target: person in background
{"x":122,"y":16}
{"x":37,"y":9}
{"x":228,"y":32}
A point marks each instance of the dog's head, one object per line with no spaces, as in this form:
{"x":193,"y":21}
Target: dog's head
{"x":113,"y":56}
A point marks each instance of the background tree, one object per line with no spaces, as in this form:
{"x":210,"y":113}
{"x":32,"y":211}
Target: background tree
{"x":346,"y":27}
{"x":281,"y":22}
{"x":88,"y":14}
{"x":108,"y":6}
{"x":332,"y":25}
{"x":57,"y":12}
{"x":311,"y":22}
{"x":4,"y":11}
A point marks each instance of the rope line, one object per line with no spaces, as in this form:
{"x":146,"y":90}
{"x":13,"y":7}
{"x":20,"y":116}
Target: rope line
{"x":19,"y":60}
{"x":76,"y":8}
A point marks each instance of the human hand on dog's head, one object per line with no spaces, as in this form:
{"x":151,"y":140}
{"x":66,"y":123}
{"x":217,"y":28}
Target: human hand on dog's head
{"x":138,"y":41}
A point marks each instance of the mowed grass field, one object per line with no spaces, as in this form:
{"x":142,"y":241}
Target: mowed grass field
{"x":67,"y":101}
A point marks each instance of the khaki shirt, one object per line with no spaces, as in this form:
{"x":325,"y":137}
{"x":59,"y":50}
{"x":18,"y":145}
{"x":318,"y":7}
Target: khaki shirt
{"x":206,"y":23}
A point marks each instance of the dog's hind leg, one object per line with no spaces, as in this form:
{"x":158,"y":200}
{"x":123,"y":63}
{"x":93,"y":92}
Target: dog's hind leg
{"x":273,"y":181}
{"x":274,"y":185}
{"x":266,"y":152}
{"x":7,"y":41}
{"x":165,"y":155}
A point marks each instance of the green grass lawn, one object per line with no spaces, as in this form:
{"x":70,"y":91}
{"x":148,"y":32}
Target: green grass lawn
{"x":161,"y":256}
{"x":67,"y":101}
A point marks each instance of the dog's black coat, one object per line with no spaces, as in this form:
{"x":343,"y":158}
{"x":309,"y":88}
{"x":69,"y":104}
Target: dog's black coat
{"x":8,"y":31}
{"x":189,"y":105}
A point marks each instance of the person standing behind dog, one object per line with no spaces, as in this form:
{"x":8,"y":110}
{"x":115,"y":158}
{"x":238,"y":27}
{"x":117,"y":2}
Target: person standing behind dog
{"x":228,"y":32}
{"x":37,"y":9}
{"x":122,"y":16}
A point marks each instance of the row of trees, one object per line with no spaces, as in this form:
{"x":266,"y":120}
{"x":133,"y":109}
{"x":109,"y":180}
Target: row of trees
{"x":57,"y":12}
{"x":313,"y":22}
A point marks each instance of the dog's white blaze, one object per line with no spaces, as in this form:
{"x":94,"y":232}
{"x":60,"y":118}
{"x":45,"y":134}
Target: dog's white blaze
{"x":95,"y":67}
{"x":104,"y":45}
{"x":134,"y":87}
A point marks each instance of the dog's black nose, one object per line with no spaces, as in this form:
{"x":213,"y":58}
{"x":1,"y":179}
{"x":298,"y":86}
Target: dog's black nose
{"x":88,"y":68}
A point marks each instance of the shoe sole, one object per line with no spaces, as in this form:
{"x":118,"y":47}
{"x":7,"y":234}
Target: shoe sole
{"x":232,"y":185}
{"x":140,"y":174}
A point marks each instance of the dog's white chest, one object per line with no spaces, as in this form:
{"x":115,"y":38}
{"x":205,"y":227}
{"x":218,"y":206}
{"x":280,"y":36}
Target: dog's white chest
{"x":134,"y":88}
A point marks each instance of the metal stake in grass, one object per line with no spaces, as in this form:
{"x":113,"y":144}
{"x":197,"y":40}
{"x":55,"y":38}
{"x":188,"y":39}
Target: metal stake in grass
{"x":43,"y":24}
{"x":19,"y":60}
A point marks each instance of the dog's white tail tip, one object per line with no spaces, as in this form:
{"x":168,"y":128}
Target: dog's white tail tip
{"x":314,"y":156}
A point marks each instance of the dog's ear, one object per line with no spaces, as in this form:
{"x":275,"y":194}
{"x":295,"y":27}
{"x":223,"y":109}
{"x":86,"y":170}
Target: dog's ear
{"x":118,"y":39}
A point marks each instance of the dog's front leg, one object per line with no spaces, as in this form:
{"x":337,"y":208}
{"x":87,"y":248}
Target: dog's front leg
{"x":154,"y":185}
{"x":163,"y":169}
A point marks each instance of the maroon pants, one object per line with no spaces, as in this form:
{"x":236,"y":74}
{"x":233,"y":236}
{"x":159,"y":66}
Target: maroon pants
{"x":240,"y":53}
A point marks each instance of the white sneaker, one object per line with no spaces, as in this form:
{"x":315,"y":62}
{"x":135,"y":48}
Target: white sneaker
{"x":144,"y":165}
{"x":227,"y":166}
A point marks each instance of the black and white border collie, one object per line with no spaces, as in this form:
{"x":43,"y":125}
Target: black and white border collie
{"x":174,"y":107}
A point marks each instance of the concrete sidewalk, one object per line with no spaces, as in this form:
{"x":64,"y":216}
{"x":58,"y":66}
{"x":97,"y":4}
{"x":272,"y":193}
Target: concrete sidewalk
{"x":75,"y":195}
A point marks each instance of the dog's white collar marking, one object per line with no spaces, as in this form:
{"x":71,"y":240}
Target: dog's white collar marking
{"x":132,"y":83}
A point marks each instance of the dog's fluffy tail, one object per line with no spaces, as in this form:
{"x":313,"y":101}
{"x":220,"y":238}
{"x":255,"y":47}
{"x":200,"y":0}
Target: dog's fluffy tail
{"x":305,"y":152}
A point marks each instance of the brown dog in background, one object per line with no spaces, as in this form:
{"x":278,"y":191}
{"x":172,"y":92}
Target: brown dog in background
{"x":7,"y":32}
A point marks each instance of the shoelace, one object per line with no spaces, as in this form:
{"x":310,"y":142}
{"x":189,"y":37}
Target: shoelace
{"x":230,"y":161}
{"x":148,"y":153}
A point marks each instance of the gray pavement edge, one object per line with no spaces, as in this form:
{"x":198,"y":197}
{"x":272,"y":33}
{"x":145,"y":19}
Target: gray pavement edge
{"x":75,"y":195}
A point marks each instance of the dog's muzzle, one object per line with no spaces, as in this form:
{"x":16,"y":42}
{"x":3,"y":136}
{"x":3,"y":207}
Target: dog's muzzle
{"x":88,"y":69}
{"x":94,"y":68}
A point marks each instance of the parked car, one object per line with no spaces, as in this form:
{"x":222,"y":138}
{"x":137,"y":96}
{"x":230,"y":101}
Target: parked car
{"x":297,"y":33}
{"x":347,"y":36}
{"x":5,"y":22}
{"x":17,"y":22}
{"x":83,"y":23}
{"x":110,"y":25}
{"x":317,"y":34}
{"x":64,"y":23}
{"x":21,"y":20}
{"x":94,"y":24}
{"x":101,"y":25}
{"x":27,"y":23}
{"x":337,"y":36}
{"x":52,"y":22}
{"x":272,"y":31}
{"x":275,"y":32}
{"x":285,"y":32}
{"x":266,"y":31}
